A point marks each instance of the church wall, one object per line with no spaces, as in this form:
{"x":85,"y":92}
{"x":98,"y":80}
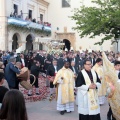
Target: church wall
{"x":59,"y":17}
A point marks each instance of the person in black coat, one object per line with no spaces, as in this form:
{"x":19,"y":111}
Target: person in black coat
{"x":56,"y":57}
{"x":74,"y":68}
{"x":39,"y":57}
{"x":92,"y":59}
{"x":51,"y":72}
{"x":42,"y":59}
{"x":80,"y":60}
{"x":29,"y":61}
{"x":66,"y":58}
{"x":35,"y":69}
{"x":61,"y":61}
{"x":47,"y":63}
{"x":76,"y":60}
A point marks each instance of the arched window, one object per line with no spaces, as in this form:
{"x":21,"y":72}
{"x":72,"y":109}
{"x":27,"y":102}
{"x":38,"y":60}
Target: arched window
{"x":15,"y":43}
{"x":29,"y":42}
{"x":67,"y":44}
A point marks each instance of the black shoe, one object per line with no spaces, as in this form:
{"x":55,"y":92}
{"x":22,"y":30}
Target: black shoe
{"x":108,"y":118}
{"x":37,"y":93}
{"x":29,"y":95}
{"x":62,"y":112}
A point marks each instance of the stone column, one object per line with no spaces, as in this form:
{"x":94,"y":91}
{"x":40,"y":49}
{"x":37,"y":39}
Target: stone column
{"x":3,"y":25}
{"x":35,"y":46}
{"x":10,"y":45}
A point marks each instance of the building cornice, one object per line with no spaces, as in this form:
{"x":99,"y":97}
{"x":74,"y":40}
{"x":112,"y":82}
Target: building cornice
{"x":16,"y":1}
{"x":41,"y":10}
{"x":42,"y":2}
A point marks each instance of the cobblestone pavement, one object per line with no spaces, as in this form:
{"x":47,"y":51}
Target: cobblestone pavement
{"x":45,"y":110}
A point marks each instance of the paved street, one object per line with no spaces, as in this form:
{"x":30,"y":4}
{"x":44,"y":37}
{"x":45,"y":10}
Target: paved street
{"x":45,"y":110}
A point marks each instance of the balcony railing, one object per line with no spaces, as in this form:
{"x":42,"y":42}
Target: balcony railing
{"x":28,"y":24}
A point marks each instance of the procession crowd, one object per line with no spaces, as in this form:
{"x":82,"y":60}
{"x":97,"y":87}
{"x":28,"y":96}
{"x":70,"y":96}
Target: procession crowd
{"x":72,"y":73}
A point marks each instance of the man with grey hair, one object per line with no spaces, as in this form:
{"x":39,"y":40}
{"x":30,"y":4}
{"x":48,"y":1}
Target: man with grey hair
{"x":10,"y":74}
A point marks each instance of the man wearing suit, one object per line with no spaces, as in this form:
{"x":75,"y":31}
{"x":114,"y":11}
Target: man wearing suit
{"x":22,"y":60}
{"x":41,"y":59}
{"x":66,"y":58}
{"x":75,"y":58}
{"x":47,"y":62}
{"x":10,"y":74}
{"x":75,"y":71}
{"x":35,"y":70}
{"x":74,"y":68}
{"x":61,"y":61}
{"x":81,"y":61}
{"x":92,"y":60}
{"x":56,"y":56}
{"x":51,"y":72}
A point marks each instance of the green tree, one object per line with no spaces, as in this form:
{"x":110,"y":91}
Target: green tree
{"x":103,"y":18}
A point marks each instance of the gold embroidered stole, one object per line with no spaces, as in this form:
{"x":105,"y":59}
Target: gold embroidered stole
{"x":92,"y":93}
{"x":67,"y":87}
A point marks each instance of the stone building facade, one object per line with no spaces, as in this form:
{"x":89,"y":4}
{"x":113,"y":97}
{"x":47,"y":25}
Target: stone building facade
{"x":15,"y":32}
{"x":24,"y":22}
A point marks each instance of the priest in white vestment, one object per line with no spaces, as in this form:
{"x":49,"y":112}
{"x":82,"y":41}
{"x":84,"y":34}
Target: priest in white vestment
{"x":88,"y":84}
{"x":99,"y":70}
{"x":65,"y":89}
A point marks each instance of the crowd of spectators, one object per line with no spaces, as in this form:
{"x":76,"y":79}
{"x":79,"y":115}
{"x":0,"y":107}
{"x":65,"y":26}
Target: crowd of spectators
{"x":9,"y":104}
{"x":15,"y":15}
